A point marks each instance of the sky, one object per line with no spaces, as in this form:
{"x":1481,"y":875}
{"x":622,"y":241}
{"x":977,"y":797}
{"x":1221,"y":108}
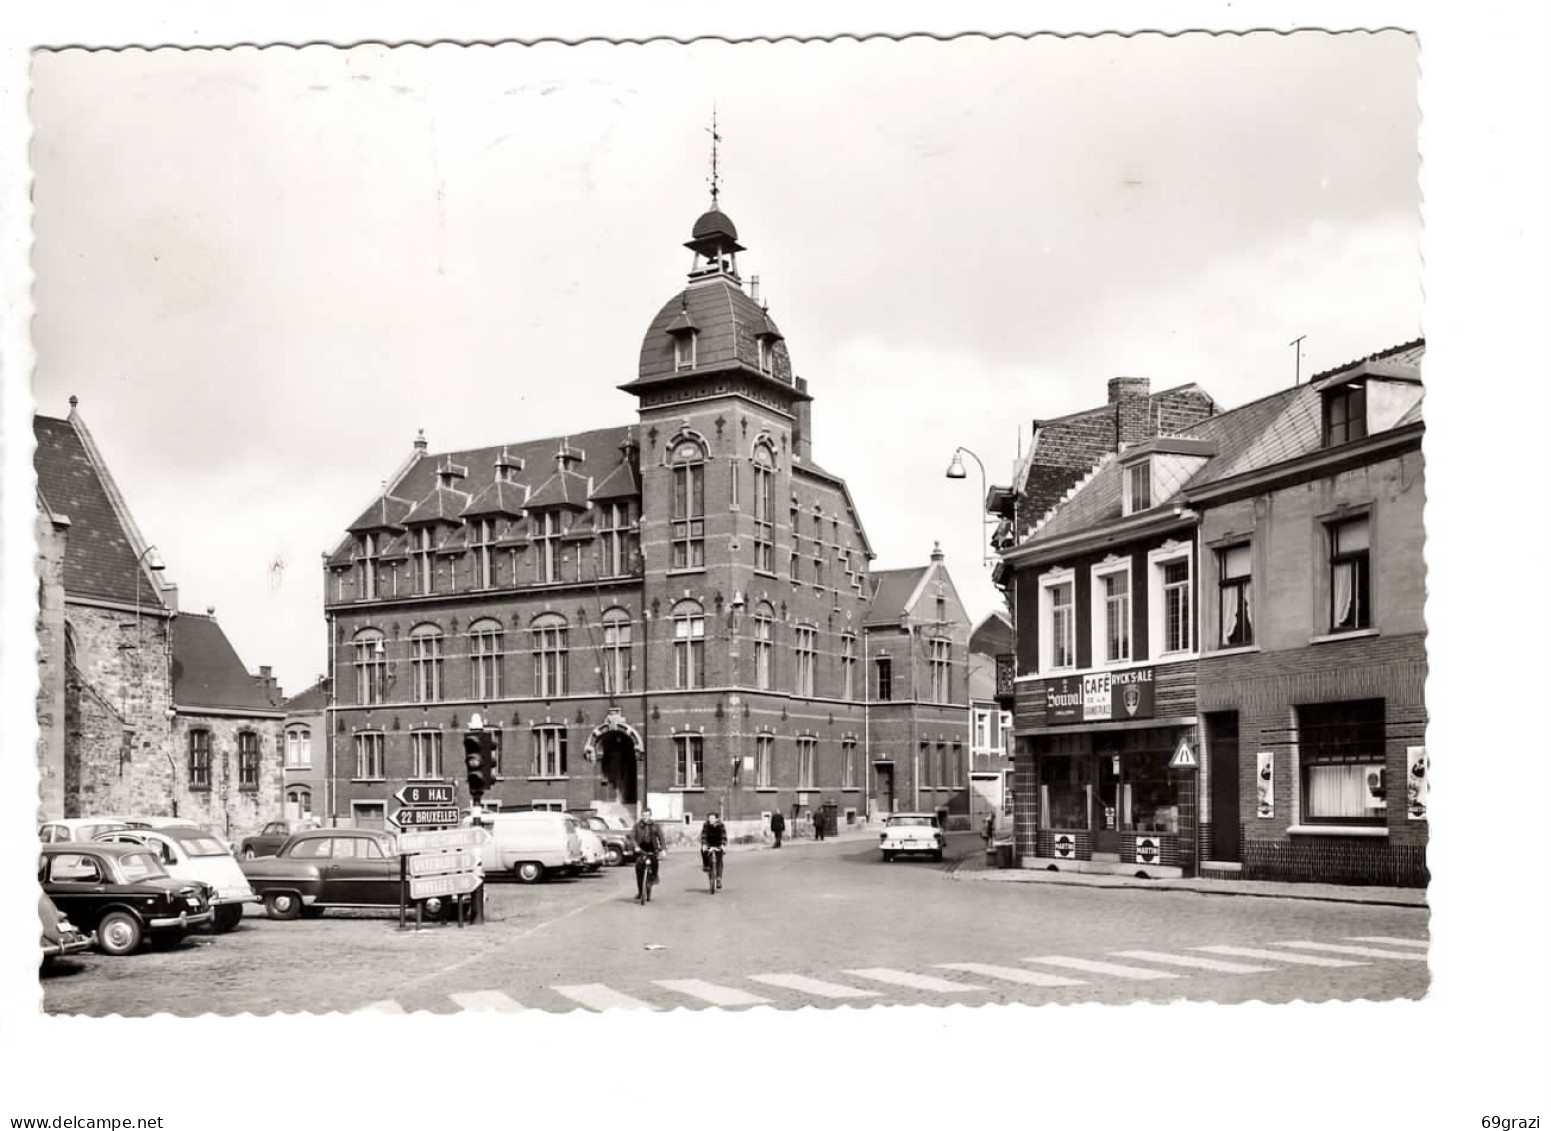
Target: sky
{"x":262,"y":272}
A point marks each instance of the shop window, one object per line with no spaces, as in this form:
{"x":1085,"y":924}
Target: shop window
{"x":1341,"y":760}
{"x":1148,"y":800}
{"x":1063,"y":791}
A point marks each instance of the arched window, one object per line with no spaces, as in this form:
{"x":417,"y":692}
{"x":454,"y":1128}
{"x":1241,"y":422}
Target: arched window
{"x":688,"y":530}
{"x":298,"y":803}
{"x":550,"y":653}
{"x":764,"y":646}
{"x":425,"y":663}
{"x":688,"y":644}
{"x":371,"y":667}
{"x":298,"y":748}
{"x":486,"y":652}
{"x":618,"y":661}
{"x":764,"y":508}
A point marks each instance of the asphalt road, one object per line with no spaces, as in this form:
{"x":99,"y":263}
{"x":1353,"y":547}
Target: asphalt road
{"x":811,"y":924}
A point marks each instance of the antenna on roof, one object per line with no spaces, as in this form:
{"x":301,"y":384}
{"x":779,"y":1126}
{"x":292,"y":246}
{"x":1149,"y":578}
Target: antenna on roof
{"x":1297,"y":344}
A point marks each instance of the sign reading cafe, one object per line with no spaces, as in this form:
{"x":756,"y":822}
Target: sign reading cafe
{"x":1100,"y":697}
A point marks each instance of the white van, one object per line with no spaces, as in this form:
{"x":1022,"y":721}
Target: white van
{"x":531,"y":844}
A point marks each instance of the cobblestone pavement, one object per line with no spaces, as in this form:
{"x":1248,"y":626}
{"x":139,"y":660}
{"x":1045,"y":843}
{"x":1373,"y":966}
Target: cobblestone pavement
{"x":824,"y":924}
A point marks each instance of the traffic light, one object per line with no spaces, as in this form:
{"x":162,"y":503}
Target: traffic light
{"x":479,"y":757}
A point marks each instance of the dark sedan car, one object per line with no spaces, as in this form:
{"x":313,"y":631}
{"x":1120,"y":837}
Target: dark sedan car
{"x":322,"y":868}
{"x":618,"y":843}
{"x":267,"y":841}
{"x":123,"y":893}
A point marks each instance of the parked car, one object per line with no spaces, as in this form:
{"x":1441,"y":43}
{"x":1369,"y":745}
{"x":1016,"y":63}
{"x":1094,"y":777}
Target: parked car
{"x":911,"y":833}
{"x":317,"y":869}
{"x":71,"y":829}
{"x":267,"y":841}
{"x":136,"y":821}
{"x":531,"y":844}
{"x":618,"y":844}
{"x":192,"y":853}
{"x":59,"y":935}
{"x":122,"y":892}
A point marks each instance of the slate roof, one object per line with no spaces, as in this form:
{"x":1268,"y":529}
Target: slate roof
{"x":443,"y":504}
{"x":621,"y":483}
{"x":729,"y":323}
{"x":992,"y":636}
{"x":207,"y":673}
{"x":498,"y":497}
{"x":383,"y":513}
{"x":314,"y":699}
{"x":564,"y":488}
{"x":101,"y":552}
{"x":891,"y":592}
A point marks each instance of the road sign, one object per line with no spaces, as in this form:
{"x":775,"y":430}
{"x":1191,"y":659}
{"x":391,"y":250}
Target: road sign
{"x":460,"y":883}
{"x":440,"y":863}
{"x":424,"y":795}
{"x":1184,"y":757}
{"x":424,"y":818}
{"x":440,"y":839}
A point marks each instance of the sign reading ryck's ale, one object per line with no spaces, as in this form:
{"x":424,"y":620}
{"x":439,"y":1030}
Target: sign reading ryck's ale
{"x":1100,"y":697}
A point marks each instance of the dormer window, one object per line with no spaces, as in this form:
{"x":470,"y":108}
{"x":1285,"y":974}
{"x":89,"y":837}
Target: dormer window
{"x":765,"y":353}
{"x":684,"y":350}
{"x":1346,"y":413}
{"x":1138,"y":487}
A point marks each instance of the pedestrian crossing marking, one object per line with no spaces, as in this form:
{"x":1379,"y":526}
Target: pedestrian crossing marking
{"x":811,"y":986}
{"x":387,"y":1005}
{"x":1359,"y":951}
{"x":714,"y":994}
{"x":1112,"y":969}
{"x":486,"y":1000}
{"x":1011,"y":974}
{"x":1192,"y":962}
{"x":1423,"y":943}
{"x":1278,"y":956}
{"x":599,"y":997}
{"x":913,"y":981}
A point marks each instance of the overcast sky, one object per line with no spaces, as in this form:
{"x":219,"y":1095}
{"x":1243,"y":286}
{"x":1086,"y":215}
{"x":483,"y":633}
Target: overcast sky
{"x":263,"y":271}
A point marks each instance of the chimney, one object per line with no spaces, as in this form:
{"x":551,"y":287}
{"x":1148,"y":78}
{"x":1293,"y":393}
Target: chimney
{"x":1133,"y":418}
{"x":754,"y":287}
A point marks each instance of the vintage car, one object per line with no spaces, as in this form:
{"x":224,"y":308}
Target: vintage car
{"x":911,"y":833}
{"x":59,"y":935}
{"x":192,"y":853}
{"x":618,"y":843}
{"x":267,"y":841}
{"x":68,"y":829}
{"x":321,"y":868}
{"x":122,"y":892}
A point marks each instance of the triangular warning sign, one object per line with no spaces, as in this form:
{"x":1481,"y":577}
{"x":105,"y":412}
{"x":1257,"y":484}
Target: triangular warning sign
{"x":1184,"y":757}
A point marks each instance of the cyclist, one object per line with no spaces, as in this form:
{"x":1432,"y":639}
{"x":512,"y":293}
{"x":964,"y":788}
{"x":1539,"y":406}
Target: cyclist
{"x":713,"y":846}
{"x":649,"y":841}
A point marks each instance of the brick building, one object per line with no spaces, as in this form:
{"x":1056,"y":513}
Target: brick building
{"x":306,"y":733}
{"x":990,"y":721}
{"x":666,"y":611}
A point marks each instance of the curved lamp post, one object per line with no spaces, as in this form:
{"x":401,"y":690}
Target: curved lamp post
{"x":956,"y":471}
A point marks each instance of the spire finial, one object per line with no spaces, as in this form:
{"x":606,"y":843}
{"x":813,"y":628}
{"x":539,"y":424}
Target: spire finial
{"x":716,"y":180}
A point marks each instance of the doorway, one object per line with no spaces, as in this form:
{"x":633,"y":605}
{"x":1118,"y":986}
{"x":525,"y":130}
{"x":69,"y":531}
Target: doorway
{"x":616,"y":768}
{"x":1104,"y":819}
{"x":1222,"y":751}
{"x":883,"y":786}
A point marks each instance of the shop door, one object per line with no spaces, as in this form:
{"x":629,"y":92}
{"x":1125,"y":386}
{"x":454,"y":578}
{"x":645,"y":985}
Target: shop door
{"x":883,"y":779}
{"x":1105,"y":818}
{"x":1222,"y":736}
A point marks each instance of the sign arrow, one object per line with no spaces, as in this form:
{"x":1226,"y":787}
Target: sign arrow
{"x":424,"y":794}
{"x":424,"y":818}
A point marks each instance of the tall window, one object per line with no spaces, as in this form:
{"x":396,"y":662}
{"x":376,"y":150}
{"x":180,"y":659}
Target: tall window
{"x":368,"y":563}
{"x":1346,"y":414}
{"x":807,"y":653}
{"x":764,"y":755}
{"x":764,"y":509}
{"x":1234,"y":592}
{"x":981,"y":738}
{"x":848,"y":763}
{"x":848,"y":666}
{"x":1349,"y":596}
{"x":549,"y":752}
{"x":956,"y":766}
{"x":368,"y":755}
{"x":940,"y":661}
{"x":688,"y":761}
{"x":486,"y":650}
{"x":806,"y":748}
{"x":1112,"y":636}
{"x":546,"y":540}
{"x":425,"y":663}
{"x":684,"y":350}
{"x":617,"y":540}
{"x":199,"y":759}
{"x":818,"y":568}
{"x":688,"y":531}
{"x":425,"y":748}
{"x":247,"y":760}
{"x":1058,"y":624}
{"x":371,"y":668}
{"x":1138,"y":487}
{"x":1169,"y":602}
{"x":298,"y":748}
{"x":550,"y":654}
{"x":485,"y":559}
{"x":1341,"y":763}
{"x":688,"y":645}
{"x":764,"y":647}
{"x":885,"y":666}
{"x":618,"y":661}
{"x":424,"y":557}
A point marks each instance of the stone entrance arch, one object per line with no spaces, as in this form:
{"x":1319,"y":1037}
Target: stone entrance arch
{"x":615,"y":746}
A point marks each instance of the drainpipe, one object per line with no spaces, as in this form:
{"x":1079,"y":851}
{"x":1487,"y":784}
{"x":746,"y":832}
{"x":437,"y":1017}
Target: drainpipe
{"x":867,"y":759}
{"x":330,"y":790}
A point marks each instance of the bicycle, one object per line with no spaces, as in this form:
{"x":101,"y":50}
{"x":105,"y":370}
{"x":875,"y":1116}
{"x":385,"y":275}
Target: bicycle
{"x":645,"y":876}
{"x":713,"y":866}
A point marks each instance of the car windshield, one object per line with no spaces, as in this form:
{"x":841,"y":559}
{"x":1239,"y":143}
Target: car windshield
{"x":910,"y":822}
{"x":136,"y":866}
{"x":202,"y":845}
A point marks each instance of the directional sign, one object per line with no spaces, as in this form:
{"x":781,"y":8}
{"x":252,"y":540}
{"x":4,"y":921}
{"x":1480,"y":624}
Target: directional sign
{"x":1184,"y":757}
{"x":440,"y":863}
{"x":440,"y":839}
{"x":424,"y":818}
{"x":426,"y":886}
{"x":424,"y":795}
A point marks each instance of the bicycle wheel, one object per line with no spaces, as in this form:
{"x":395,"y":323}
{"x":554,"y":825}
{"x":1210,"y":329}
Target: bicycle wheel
{"x":720,"y":857}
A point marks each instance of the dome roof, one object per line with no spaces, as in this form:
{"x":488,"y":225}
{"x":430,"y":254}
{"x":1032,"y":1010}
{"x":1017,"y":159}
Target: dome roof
{"x":714,"y":223}
{"x":727,"y":323}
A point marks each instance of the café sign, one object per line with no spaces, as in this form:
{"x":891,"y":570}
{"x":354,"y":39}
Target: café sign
{"x":1100,"y":697}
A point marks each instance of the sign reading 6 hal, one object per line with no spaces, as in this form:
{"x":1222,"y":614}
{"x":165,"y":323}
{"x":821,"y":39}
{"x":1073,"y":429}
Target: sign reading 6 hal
{"x":424,"y":794}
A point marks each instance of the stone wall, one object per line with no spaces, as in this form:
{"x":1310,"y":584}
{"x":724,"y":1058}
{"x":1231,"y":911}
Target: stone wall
{"x":225,"y":805}
{"x":51,"y":540}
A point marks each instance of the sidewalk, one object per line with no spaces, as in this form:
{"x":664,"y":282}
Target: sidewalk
{"x":973,"y":867}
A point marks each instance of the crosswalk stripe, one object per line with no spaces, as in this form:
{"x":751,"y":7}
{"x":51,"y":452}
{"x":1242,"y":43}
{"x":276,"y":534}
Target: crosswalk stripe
{"x":1011,"y":974}
{"x":1192,"y":962}
{"x":913,"y":981}
{"x":811,"y":986}
{"x":388,"y":1005}
{"x":600,"y":997}
{"x":1359,"y":951}
{"x":716,"y":995}
{"x":1423,"y":943}
{"x":1277,"y":956}
{"x":1112,"y":969}
{"x":489,"y":1000}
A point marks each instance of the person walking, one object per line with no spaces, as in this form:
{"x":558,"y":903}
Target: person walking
{"x":777,"y":826}
{"x":818,"y":822}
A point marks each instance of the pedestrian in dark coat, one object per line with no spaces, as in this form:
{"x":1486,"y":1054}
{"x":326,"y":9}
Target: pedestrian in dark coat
{"x":818,"y":824}
{"x":777,"y":826}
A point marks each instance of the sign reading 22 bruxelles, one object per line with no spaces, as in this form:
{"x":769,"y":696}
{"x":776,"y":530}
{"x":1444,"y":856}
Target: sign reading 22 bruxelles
{"x":1100,"y":697}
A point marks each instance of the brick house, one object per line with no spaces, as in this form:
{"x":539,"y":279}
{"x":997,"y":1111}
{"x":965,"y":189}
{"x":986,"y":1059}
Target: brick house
{"x":990,"y":721}
{"x":306,"y":723}
{"x":668,"y":611}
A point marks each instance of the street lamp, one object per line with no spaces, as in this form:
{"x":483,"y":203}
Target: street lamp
{"x":956,"y":471}
{"x":156,"y":565}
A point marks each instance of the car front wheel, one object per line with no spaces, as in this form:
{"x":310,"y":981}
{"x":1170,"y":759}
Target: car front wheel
{"x":119,"y":933}
{"x":528,"y":871}
{"x":613,"y":857}
{"x":249,"y":854}
{"x":282,"y":905}
{"x":227,"y":916}
{"x":888,"y":857}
